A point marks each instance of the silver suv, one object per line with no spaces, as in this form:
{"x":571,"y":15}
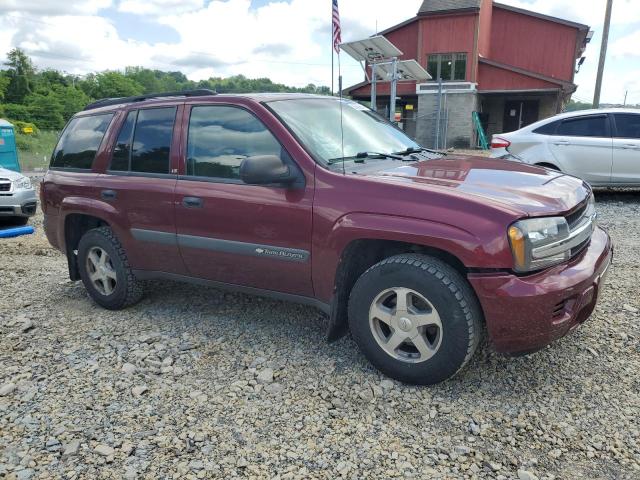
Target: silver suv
{"x":17,"y":197}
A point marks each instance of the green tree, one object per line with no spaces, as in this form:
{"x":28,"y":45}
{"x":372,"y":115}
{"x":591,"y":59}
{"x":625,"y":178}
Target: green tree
{"x":111,"y":84}
{"x":21,"y":76}
{"x":4,"y":84}
{"x":574,"y":106}
{"x":46,"y":111}
{"x":71,"y":99}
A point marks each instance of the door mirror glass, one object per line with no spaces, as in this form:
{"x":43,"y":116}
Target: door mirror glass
{"x":266,"y":170}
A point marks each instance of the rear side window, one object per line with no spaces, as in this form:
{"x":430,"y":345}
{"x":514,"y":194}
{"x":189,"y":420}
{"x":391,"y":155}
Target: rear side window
{"x":627,"y":125}
{"x":584,"y":127}
{"x":152,"y":140}
{"x":548,"y":129}
{"x":80,"y":141}
{"x":122,"y":150}
{"x":221,"y":137}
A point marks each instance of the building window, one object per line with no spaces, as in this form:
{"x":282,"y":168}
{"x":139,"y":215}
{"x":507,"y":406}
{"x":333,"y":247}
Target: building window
{"x":448,"y":66}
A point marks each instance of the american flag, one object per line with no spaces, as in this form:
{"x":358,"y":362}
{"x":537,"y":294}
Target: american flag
{"x":337,"y":32}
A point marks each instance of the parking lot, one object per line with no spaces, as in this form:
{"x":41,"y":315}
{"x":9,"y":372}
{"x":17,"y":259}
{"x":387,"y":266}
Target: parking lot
{"x":197,"y":383}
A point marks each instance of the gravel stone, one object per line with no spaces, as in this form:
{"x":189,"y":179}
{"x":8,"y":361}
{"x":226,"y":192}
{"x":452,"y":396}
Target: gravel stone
{"x":104,"y":450}
{"x":7,"y":388}
{"x":569,"y":411}
{"x":265,"y":376}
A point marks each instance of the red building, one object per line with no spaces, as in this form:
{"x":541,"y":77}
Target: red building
{"x":512,"y":65}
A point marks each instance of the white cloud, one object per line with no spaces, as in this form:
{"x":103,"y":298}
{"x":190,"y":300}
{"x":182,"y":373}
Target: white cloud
{"x":627,"y":46}
{"x":55,"y":7}
{"x":159,"y":7}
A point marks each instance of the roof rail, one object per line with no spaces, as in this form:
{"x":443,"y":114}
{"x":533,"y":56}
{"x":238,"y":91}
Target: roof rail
{"x":105,"y":102}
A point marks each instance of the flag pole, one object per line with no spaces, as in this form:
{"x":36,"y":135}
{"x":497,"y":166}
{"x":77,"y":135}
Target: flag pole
{"x":332,"y":63}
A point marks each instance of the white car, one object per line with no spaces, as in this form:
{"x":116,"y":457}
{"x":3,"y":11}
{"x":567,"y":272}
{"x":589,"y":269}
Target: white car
{"x":599,"y":146}
{"x":18,"y":199}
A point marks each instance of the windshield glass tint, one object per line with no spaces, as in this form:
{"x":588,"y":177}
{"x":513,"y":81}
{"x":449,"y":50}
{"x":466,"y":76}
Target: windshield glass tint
{"x":316,"y":122}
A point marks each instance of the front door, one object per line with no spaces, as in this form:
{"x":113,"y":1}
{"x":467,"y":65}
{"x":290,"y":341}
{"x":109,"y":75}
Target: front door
{"x":582,"y":147}
{"x":520,"y":113}
{"x":626,"y":149}
{"x":139,"y":184}
{"x":231,"y":232}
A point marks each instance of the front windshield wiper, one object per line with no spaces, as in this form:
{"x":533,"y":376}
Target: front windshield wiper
{"x":360,"y":157}
{"x":411,"y":150}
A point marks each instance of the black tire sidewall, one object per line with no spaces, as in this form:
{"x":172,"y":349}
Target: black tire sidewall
{"x":95,"y":238}
{"x":457,"y":339}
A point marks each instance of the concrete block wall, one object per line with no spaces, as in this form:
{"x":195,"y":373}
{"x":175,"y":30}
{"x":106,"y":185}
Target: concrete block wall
{"x":459,"y":108}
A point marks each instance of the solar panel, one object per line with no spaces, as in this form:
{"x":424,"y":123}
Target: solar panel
{"x":408,"y":70}
{"x":372,"y":49}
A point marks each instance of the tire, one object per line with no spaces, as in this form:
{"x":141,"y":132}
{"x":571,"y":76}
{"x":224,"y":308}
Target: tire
{"x":443,"y":317}
{"x":114,"y":286}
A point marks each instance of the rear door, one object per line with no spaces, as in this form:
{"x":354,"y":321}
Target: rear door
{"x":626,"y":148}
{"x":140,"y":182}
{"x":251,"y":235}
{"x":583,"y":147}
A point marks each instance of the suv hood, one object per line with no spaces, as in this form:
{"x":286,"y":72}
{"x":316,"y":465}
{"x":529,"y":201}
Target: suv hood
{"x":10,"y":174}
{"x":534,"y":191}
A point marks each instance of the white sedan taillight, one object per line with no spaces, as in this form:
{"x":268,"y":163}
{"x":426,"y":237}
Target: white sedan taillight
{"x":498,"y":142}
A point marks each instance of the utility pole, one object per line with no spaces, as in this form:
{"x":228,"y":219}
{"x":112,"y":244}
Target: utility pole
{"x":603,"y":54}
{"x":625,"y":98}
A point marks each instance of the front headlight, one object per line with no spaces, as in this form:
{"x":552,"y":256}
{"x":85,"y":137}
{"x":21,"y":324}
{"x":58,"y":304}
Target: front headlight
{"x":528,"y":239}
{"x":23,"y":183}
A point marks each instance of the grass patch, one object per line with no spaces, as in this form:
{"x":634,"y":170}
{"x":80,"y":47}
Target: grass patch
{"x":34,"y":151}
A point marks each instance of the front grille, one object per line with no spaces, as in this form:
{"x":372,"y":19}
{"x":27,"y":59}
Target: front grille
{"x":576,"y":215}
{"x":5,"y":185}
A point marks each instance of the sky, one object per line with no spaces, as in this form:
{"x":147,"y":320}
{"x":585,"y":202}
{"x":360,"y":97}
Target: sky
{"x":288,"y":41}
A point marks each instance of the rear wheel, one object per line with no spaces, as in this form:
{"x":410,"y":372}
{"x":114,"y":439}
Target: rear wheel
{"x":415,"y":318}
{"x":105,"y":272}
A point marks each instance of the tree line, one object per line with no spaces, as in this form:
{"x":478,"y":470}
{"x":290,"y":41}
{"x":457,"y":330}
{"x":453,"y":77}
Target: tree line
{"x":48,"y":98}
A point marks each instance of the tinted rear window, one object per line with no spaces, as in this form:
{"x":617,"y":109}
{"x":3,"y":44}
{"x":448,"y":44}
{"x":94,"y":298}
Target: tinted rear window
{"x":627,"y":125}
{"x":122,"y":150}
{"x":548,"y":129}
{"x":584,"y":127}
{"x":152,"y":140}
{"x":80,"y":141}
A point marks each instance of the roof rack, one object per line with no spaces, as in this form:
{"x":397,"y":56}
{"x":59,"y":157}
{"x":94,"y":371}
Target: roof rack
{"x":105,"y":102}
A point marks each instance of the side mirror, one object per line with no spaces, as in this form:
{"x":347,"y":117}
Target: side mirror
{"x":266,"y":170}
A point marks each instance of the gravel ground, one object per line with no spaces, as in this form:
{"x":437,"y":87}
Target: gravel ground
{"x":197,"y":383}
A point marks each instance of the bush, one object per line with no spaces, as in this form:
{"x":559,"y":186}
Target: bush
{"x":20,"y":126}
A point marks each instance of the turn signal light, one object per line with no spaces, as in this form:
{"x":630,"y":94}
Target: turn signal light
{"x":516,"y":237}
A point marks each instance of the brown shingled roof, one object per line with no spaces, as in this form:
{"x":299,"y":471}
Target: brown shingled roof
{"x":435,"y":6}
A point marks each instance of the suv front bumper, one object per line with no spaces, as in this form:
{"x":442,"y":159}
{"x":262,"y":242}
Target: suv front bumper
{"x":20,"y":203}
{"x":526,"y":313}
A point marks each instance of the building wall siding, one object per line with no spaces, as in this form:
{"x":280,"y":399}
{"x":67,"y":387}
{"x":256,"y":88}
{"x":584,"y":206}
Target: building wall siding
{"x":449,"y":34}
{"x":533,"y":44}
{"x":494,"y":78}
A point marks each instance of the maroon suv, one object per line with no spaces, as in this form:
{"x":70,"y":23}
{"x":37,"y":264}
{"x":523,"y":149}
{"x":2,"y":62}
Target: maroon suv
{"x":411,"y":250}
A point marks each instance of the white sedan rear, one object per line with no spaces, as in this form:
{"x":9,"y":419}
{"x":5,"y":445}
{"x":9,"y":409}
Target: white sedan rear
{"x":599,"y":146}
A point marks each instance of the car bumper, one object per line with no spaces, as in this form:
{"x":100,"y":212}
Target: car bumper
{"x":524,"y":314}
{"x":22,"y":203}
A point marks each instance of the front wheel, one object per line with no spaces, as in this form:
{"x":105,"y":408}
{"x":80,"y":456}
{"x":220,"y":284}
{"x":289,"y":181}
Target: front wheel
{"x":105,"y":271}
{"x":415,"y":318}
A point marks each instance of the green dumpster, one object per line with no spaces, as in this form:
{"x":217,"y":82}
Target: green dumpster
{"x":8,"y":150}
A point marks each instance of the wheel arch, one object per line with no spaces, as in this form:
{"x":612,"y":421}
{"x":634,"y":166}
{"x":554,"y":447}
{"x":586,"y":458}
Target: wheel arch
{"x":361,"y":254}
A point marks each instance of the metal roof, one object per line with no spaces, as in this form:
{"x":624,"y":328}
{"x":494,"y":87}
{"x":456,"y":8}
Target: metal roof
{"x":435,"y":6}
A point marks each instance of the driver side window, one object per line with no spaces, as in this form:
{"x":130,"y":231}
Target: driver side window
{"x":220,"y":137}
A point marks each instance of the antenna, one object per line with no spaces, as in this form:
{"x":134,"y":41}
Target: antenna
{"x":341,"y":114}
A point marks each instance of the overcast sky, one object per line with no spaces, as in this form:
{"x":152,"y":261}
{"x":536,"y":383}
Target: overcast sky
{"x":286,"y":40}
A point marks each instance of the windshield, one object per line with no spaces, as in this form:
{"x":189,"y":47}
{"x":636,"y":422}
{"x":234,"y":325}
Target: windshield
{"x":316,"y":122}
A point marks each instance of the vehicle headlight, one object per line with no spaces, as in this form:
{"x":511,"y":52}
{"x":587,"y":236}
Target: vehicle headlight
{"x":528,"y":239}
{"x":23,"y":183}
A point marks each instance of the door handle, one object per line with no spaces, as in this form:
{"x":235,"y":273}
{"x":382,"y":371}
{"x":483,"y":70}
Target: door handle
{"x":561,"y":142}
{"x":192,"y":202}
{"x":631,"y":146}
{"x":108,"y":195}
